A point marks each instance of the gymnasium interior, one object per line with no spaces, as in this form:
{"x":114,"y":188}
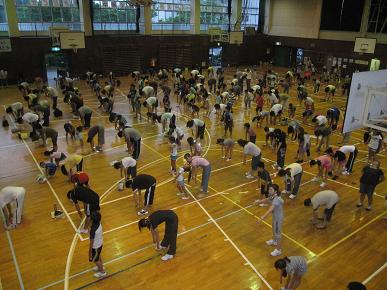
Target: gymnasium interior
{"x":222,"y":235}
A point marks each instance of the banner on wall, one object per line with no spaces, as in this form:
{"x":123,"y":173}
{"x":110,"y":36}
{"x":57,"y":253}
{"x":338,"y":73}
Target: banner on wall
{"x":5,"y":45}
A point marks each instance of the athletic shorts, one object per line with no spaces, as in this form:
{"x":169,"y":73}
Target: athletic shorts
{"x":329,"y":212}
{"x":255,"y":161}
{"x":367,"y":189}
{"x":95,"y":254}
{"x":264,"y":191}
{"x":181,"y":183}
{"x":174,"y":157}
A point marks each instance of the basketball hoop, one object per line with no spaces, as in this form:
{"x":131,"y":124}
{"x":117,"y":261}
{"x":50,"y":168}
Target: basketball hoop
{"x":74,"y":47}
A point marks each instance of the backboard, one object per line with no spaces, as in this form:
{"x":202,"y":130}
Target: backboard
{"x":72,"y":40}
{"x":357,"y":111}
{"x":54,"y":33}
{"x":236,"y":37}
{"x":364,"y":45}
{"x":375,"y":113}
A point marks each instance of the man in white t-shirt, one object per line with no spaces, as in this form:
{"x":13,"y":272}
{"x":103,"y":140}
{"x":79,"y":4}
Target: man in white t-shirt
{"x":327,"y":198}
{"x":11,"y":204}
{"x":254,"y":151}
{"x":292,"y":177}
{"x":320,"y":120}
{"x":275,"y":112}
{"x":128,"y":165}
{"x":199,"y":126}
{"x":148,"y":91}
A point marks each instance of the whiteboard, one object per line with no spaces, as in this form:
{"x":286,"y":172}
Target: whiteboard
{"x":361,"y":83}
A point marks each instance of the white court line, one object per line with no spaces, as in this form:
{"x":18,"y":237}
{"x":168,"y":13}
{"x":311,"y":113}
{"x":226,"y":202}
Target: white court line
{"x":139,"y":250}
{"x":15,"y":260}
{"x":231,"y":241}
{"x":375,"y":273}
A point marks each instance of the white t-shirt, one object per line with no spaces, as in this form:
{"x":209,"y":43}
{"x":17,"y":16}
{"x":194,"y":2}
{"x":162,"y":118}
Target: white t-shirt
{"x":256,"y":88}
{"x":194,"y":72}
{"x":347,"y":149}
{"x":128,"y":162}
{"x":52,"y":92}
{"x":309,"y":100}
{"x":179,"y":132}
{"x":326,"y":197}
{"x":251,"y":149}
{"x":321,"y":120}
{"x":30,"y":117}
{"x":276,"y":108}
{"x":16,"y":106}
{"x":180,"y":172}
{"x":148,"y":91}
{"x":173,"y":149}
{"x":273,"y":98}
{"x":9,"y":194}
{"x":151,"y":100}
{"x":198,"y":122}
{"x":374,"y":142}
{"x":166,"y":116}
{"x":295,"y":169}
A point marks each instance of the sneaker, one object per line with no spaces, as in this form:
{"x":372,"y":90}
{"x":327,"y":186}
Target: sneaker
{"x":179,"y":193}
{"x":292,"y":196}
{"x":249,"y":176}
{"x":185,"y":197}
{"x":228,"y":159}
{"x":167,"y":257}
{"x":276,"y":253}
{"x":369,"y":208}
{"x":247,"y":173}
{"x":345,"y":172}
{"x":142,"y":212}
{"x":263,"y":205}
{"x":315,"y":179}
{"x":285,"y":192}
{"x":359,"y":204}
{"x":83,"y":231}
{"x":271,"y":243}
{"x":224,"y":157}
{"x":323,"y":184}
{"x":100,"y":274}
{"x":202,"y":195}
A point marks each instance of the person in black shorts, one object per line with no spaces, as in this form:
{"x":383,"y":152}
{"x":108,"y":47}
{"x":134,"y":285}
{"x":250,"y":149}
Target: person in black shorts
{"x":143,"y":181}
{"x":264,"y":180}
{"x":47,"y":132}
{"x":90,"y":201}
{"x":171,"y":226}
{"x":372,"y":175}
{"x":96,"y":243}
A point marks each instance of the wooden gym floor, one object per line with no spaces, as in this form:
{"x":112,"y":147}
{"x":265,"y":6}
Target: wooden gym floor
{"x":220,"y":244}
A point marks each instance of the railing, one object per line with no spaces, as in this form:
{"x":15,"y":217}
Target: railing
{"x":39,"y":26}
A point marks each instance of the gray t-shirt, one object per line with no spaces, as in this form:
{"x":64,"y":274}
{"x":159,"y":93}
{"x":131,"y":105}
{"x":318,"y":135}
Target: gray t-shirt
{"x":278,"y":211}
{"x":228,"y":142}
{"x":84,"y":110}
{"x":131,"y":133}
{"x":251,"y":149}
{"x":297,"y":265}
{"x":326,"y":197}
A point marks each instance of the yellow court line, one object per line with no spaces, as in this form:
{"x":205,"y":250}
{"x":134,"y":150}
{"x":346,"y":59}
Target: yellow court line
{"x":351,"y":234}
{"x":266,"y":223}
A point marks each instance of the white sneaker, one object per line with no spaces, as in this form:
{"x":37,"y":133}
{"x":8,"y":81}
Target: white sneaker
{"x":285,"y":192}
{"x":224,"y":157}
{"x":83,"y":231}
{"x":249,"y":176}
{"x":263,"y":205}
{"x":292,"y":196}
{"x":167,"y":257}
{"x":276,"y":253}
{"x":345,"y":173}
{"x":247,"y":173}
{"x":142,"y":212}
{"x":323,"y":184}
{"x":315,"y":179}
{"x":179,"y":193}
{"x":185,"y":197}
{"x":100,"y":274}
{"x":228,"y":159}
{"x":271,"y":243}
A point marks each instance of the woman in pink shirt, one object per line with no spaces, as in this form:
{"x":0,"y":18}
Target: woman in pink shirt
{"x":324,"y":164}
{"x":195,"y":162}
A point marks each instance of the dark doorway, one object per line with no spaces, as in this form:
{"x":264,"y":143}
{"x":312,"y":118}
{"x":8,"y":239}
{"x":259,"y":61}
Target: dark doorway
{"x":215,"y":56}
{"x":55,"y":64}
{"x":282,"y":56}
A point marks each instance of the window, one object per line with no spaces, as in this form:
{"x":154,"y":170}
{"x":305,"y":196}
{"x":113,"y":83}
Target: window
{"x":171,"y":15}
{"x":114,"y":15}
{"x":250,"y":13}
{"x":341,"y":15}
{"x":378,"y":17}
{"x":213,"y":13}
{"x":39,"y":15}
{"x":3,"y":18}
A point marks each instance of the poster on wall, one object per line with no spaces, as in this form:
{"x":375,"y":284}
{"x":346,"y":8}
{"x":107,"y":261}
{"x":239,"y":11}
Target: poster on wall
{"x":5,"y":45}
